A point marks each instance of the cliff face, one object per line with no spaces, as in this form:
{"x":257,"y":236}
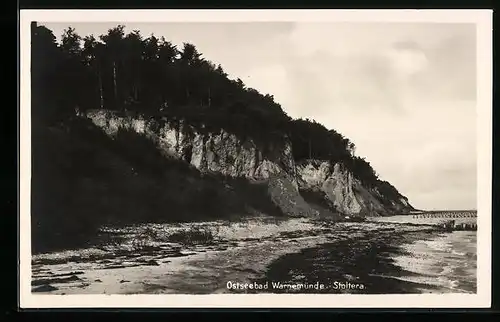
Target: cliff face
{"x":345,"y":193}
{"x":222,"y":153}
{"x":226,"y":154}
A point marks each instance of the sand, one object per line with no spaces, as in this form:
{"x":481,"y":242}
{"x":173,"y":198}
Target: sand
{"x":243,"y":251}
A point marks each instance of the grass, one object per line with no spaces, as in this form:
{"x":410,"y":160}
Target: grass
{"x":193,"y":236}
{"x":189,"y":236}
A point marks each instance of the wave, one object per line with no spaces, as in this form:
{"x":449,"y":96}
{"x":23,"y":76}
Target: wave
{"x":431,"y":284}
{"x":446,"y":261}
{"x":439,"y":245}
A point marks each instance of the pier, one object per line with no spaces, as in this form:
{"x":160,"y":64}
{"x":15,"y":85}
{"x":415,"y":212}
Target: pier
{"x":446,"y":214}
{"x":446,"y":220}
{"x":451,"y":225}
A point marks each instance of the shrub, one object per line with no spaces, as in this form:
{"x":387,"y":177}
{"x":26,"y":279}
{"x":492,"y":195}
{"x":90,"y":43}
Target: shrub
{"x":192,"y":236}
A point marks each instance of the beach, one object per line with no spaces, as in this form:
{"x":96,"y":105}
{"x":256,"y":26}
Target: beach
{"x":364,"y":258}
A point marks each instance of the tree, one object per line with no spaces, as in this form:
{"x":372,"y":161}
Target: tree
{"x":240,"y":83}
{"x":133,"y":60}
{"x":113,"y":41}
{"x":189,"y":60}
{"x":220,"y":71}
{"x":169,"y":77}
{"x":167,"y":52}
{"x":45,"y":83}
{"x":151,"y":98}
{"x":189,"y":54}
{"x":93,"y":52}
{"x":71,"y":42}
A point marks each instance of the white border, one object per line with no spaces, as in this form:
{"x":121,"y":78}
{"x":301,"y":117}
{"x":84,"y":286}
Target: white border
{"x":483,"y":20}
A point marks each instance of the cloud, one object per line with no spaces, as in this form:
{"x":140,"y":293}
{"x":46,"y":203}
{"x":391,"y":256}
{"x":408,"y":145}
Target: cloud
{"x":450,"y":197}
{"x":422,"y":153}
{"x":391,"y":62}
{"x":406,"y":62}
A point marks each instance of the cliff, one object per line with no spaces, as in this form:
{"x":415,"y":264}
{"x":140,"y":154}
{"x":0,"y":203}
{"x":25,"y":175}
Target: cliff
{"x":342,"y":191}
{"x":221,"y":153}
{"x":325,"y":186}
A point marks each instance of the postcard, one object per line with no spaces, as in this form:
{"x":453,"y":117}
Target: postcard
{"x":255,"y":158}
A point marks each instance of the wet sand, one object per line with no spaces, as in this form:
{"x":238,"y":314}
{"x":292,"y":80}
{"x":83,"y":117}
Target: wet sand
{"x":360,"y":262}
{"x":384,"y":257}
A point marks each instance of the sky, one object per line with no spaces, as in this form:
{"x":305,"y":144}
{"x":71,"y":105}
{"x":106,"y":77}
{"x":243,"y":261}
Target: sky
{"x":403,"y":93}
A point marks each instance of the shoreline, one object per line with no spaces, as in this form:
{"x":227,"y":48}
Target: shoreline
{"x":403,"y":264}
{"x":253,"y":250}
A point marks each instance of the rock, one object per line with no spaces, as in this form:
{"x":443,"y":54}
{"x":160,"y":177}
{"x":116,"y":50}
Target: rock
{"x":151,"y":262}
{"x":221,"y":152}
{"x":45,"y":288}
{"x":58,"y":280}
{"x":344,"y":192}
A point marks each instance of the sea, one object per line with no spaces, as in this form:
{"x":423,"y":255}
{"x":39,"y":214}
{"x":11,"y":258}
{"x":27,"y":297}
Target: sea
{"x":380,"y":258}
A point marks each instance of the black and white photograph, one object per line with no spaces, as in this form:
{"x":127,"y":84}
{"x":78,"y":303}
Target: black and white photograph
{"x":265,"y":154}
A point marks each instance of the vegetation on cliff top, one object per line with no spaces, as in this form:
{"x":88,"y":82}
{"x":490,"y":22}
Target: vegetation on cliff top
{"x":127,"y":72}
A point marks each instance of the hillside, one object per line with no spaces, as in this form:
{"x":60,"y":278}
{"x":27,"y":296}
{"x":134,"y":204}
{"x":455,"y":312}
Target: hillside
{"x":133,"y":130}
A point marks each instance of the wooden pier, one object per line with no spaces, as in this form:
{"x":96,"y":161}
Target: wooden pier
{"x":446,"y":220}
{"x":446,"y":214}
{"x":451,"y":225}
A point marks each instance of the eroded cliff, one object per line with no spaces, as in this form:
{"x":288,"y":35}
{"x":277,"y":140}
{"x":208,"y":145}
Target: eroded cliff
{"x":224,"y":153}
{"x":345,"y":193}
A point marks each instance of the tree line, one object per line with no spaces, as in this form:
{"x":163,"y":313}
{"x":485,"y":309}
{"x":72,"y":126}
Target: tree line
{"x":149,"y":75}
